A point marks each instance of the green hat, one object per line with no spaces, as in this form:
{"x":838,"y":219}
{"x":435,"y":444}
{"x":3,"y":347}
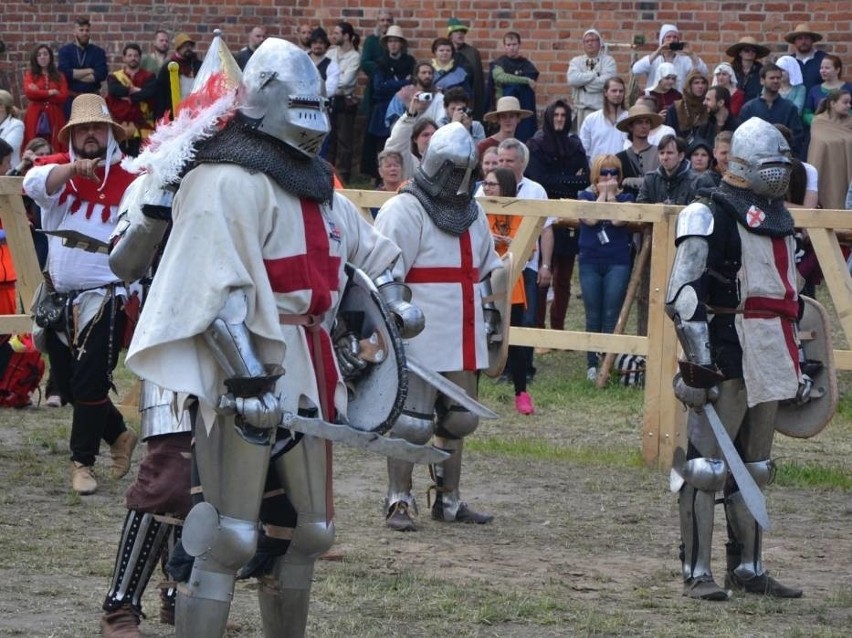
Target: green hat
{"x":455,"y":24}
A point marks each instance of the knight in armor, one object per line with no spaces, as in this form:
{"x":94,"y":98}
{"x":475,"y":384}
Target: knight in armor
{"x":447,"y":259}
{"x":238,"y":317}
{"x":732,"y":297}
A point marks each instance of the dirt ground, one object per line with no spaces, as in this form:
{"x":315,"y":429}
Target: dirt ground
{"x":578,"y":547}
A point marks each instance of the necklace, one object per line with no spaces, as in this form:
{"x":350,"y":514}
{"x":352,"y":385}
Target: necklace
{"x":81,"y":59}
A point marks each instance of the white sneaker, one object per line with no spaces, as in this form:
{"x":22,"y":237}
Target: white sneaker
{"x":592,"y":374}
{"x":53,"y":401}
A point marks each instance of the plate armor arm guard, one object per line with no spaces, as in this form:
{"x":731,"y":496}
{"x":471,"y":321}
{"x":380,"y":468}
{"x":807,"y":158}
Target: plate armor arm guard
{"x":493,"y":319}
{"x":397,"y":296}
{"x":685,"y":293}
{"x":142,"y":224}
{"x":251,"y":384}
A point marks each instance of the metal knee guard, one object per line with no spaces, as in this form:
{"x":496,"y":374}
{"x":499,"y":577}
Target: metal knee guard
{"x":284,"y":595}
{"x":142,"y":542}
{"x":744,"y":551}
{"x":454,"y":421}
{"x":697,"y":501}
{"x":416,"y":425}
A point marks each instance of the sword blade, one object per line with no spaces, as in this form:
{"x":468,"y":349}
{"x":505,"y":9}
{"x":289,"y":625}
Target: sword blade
{"x":447,"y":387}
{"x":370,"y":441}
{"x":752,"y":496}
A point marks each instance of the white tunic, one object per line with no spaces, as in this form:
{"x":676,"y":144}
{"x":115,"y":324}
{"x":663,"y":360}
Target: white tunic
{"x":444,"y":273}
{"x":236,"y":230}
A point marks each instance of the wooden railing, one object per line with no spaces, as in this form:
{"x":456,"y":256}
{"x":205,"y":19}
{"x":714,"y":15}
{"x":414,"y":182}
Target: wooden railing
{"x":662,"y":429}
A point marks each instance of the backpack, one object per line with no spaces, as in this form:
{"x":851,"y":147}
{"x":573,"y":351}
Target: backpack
{"x":22,"y":374}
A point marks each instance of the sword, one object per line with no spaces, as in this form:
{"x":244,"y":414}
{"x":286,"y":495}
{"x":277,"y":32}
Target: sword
{"x":341,"y":433}
{"x":752,"y":496}
{"x":448,"y":388}
{"x":370,"y":441}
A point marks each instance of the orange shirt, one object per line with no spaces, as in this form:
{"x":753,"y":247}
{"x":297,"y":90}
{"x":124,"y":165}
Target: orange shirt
{"x":507,"y":226}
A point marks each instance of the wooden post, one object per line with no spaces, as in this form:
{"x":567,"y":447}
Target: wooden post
{"x":19,"y":239}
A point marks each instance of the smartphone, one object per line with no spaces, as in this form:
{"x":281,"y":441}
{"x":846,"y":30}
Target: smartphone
{"x":676,"y":46}
{"x":424,"y":97}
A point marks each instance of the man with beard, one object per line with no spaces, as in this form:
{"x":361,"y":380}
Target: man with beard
{"x":188,"y":65}
{"x":689,"y":112}
{"x":421,"y":82}
{"x":802,"y":39}
{"x":159,"y":53}
{"x":732,"y":297}
{"x":447,"y":259}
{"x":83,"y":340}
{"x":83,"y":64}
{"x":599,"y":134}
{"x":130,"y":99}
{"x":773,"y":108}
{"x":719,"y":115}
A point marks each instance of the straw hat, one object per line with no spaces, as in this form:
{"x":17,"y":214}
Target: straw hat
{"x":394,"y":31}
{"x":639,"y":112}
{"x":747,"y":41}
{"x":802,"y":29}
{"x":507,"y":104}
{"x":86,"y":109}
{"x":454,"y":24}
{"x":181,"y":39}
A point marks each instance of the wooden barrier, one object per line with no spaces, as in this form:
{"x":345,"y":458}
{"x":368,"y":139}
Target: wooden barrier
{"x":663,"y":420}
{"x":662,"y":429}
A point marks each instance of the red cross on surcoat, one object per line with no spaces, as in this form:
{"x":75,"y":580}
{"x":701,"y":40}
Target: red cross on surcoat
{"x":467,"y":276}
{"x":318,"y":271}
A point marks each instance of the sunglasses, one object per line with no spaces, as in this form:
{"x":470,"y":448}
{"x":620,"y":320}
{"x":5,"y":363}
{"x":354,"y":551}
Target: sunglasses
{"x":609,"y":172}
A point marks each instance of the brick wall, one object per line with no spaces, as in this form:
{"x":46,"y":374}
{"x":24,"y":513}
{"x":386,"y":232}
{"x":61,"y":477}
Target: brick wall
{"x":551,"y":31}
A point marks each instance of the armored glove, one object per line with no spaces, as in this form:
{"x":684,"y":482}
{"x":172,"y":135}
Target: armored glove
{"x":264,"y":412}
{"x":347,"y":347}
{"x":695,"y":398}
{"x":803,"y":395}
{"x":492,"y":321}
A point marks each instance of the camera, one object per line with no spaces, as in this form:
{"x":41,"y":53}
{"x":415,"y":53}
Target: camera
{"x":676,"y":46}
{"x":424,"y":97}
{"x":468,"y":112}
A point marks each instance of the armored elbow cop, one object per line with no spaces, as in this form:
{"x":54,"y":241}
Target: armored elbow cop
{"x":397,"y":296}
{"x":144,"y":218}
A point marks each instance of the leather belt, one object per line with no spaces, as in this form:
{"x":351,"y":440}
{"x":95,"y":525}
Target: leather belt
{"x":310,"y":322}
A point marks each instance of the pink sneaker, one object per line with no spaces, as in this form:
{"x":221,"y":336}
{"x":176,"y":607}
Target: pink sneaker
{"x":524,"y":404}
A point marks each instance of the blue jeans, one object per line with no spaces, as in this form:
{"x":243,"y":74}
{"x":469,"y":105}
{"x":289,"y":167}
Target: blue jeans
{"x":604,"y":287}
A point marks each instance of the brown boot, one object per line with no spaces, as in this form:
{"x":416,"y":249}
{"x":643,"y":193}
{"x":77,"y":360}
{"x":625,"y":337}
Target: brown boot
{"x":83,"y":479}
{"x":122,"y":451}
{"x":121,"y":623}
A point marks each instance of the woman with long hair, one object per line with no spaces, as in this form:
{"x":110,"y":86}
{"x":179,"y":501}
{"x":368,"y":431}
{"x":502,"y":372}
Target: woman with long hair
{"x":46,"y":90}
{"x":830,"y":150}
{"x":831,"y":72}
{"x":501,"y":182}
{"x":605,"y":257}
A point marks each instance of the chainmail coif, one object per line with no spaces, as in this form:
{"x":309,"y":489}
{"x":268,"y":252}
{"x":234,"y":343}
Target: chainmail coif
{"x":737,"y":202}
{"x":451,"y":213}
{"x":239,"y":144}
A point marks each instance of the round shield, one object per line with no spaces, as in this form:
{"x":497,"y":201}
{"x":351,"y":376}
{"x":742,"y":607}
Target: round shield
{"x":377,"y":393}
{"x":809,"y":419}
{"x":501,"y":296}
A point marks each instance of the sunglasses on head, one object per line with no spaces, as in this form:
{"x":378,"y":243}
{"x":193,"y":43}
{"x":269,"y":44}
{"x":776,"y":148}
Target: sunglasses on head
{"x":609,"y":172}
